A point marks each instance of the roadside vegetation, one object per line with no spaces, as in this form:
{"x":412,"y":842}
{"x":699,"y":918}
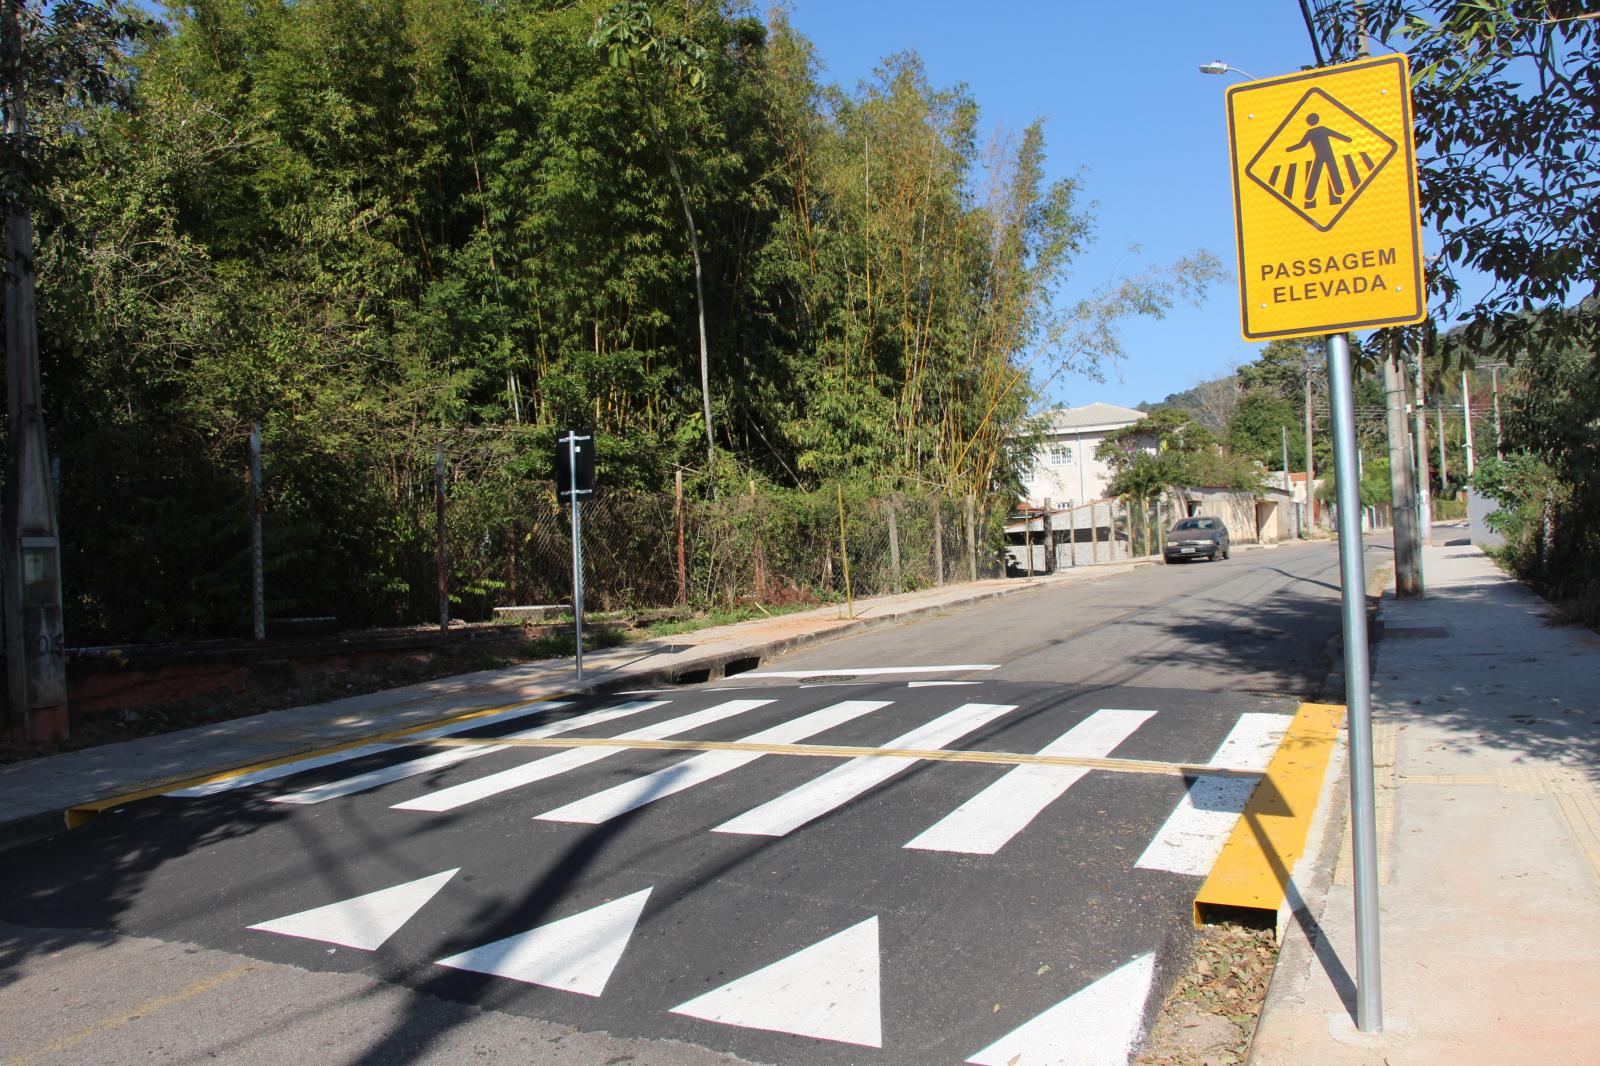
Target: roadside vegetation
{"x":376,"y":229}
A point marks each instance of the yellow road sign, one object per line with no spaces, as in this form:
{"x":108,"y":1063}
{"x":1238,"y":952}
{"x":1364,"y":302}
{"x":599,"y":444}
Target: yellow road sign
{"x":1325,"y":200}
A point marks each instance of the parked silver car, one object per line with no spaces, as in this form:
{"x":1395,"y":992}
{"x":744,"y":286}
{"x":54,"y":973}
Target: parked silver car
{"x":1200,"y":537}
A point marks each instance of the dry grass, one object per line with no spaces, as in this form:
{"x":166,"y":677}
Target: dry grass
{"x":1210,"y":1017}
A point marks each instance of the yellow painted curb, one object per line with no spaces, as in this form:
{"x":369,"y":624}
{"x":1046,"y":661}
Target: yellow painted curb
{"x":1252,"y":873}
{"x":84,"y":813}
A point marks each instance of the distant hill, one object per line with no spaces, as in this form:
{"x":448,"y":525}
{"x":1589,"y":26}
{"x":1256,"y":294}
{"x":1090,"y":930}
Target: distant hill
{"x":1210,"y":403}
{"x":1188,"y":399}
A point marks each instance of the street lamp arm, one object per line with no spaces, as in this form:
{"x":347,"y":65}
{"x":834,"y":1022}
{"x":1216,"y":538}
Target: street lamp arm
{"x":1217,"y":66}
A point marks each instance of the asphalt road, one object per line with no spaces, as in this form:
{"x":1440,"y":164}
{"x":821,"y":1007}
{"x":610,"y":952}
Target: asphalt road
{"x":665,"y":898}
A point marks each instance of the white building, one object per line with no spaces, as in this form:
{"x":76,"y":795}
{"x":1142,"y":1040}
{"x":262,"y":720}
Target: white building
{"x":1064,"y":468}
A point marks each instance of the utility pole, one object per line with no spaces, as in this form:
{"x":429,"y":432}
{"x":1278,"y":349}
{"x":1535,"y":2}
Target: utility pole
{"x":258,"y":580}
{"x":1424,"y":490}
{"x":1494,"y":379}
{"x":1402,"y":495}
{"x":1311,"y":499}
{"x":36,"y":662}
{"x":1288,"y":485}
{"x":1466,"y":419}
{"x":1444,"y":468}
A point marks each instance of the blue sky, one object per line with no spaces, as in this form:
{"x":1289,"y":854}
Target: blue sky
{"x":1127,"y":108}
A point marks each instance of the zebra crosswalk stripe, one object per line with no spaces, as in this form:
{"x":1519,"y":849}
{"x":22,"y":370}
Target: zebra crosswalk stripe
{"x":631,"y":795}
{"x":986,"y":822}
{"x":288,"y":769}
{"x":844,"y":783}
{"x":384,"y":775}
{"x":1192,"y":837}
{"x":447,"y":799}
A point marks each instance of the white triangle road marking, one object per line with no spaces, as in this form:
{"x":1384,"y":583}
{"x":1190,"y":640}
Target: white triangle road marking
{"x":574,"y":954}
{"x":829,"y":990}
{"x":365,"y":921}
{"x":1095,"y":1026}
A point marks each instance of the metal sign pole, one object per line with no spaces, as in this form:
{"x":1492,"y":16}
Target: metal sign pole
{"x":1358,"y":688}
{"x":577,"y":554}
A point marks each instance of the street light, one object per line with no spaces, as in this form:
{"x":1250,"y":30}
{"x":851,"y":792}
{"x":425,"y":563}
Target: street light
{"x":1217,"y":66}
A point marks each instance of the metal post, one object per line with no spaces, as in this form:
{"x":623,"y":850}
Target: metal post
{"x":677,"y":507}
{"x":894,"y":549}
{"x":844,"y":554}
{"x":1049,"y":539}
{"x":258,"y":593}
{"x":1027,"y":537}
{"x":938,"y":541}
{"x":577,"y":556}
{"x":972,"y":539}
{"x":1357,"y":682}
{"x":1466,"y":419}
{"x":444,"y":566}
{"x":35,"y":639}
{"x":755,"y":540}
{"x":1072,"y":536}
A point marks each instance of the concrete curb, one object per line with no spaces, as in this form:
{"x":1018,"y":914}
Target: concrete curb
{"x":34,"y":825}
{"x":719,"y":661}
{"x":1311,"y":882}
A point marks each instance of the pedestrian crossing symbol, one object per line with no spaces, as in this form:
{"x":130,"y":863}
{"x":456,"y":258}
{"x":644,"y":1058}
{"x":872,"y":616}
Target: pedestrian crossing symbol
{"x":1320,"y":159}
{"x":1325,"y":200}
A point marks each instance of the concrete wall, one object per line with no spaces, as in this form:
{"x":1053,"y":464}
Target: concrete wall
{"x":1478,"y":508}
{"x":1238,"y":512}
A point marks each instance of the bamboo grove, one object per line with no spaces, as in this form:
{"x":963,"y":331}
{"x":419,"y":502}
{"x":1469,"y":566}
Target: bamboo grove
{"x":376,"y":226}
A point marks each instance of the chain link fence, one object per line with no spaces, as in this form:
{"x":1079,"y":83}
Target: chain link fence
{"x":161,"y":547}
{"x":644,"y":550}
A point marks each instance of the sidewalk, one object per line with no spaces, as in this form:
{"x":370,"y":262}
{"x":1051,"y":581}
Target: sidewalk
{"x":1487,"y":755}
{"x":36,"y":793}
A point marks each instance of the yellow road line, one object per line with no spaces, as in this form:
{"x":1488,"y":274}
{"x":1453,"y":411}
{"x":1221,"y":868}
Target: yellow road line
{"x":83,"y":813}
{"x":149,"y":1006}
{"x":834,"y":751}
{"x":1253,"y":870}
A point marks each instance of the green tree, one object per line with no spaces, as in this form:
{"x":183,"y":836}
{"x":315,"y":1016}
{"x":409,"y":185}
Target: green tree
{"x":628,"y":34}
{"x":1505,"y":117}
{"x":1170,"y":451}
{"x":1257,"y":427}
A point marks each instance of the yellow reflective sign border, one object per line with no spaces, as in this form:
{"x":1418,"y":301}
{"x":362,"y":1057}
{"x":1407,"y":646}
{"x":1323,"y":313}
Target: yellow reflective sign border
{"x":1325,"y":200}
